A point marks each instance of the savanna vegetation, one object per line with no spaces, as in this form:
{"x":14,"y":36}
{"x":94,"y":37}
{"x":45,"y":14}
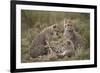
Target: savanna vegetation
{"x":33,"y":22}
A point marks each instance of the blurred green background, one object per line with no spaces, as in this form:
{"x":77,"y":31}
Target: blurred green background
{"x":33,"y":22}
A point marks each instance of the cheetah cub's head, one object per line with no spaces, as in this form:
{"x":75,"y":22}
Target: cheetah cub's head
{"x":68,"y":25}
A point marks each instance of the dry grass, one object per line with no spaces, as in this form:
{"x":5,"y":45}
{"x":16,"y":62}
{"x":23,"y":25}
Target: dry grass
{"x":28,"y":33}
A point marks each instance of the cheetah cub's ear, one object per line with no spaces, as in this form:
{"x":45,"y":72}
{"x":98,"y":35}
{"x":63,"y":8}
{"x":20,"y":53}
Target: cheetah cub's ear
{"x":55,"y":25}
{"x":68,"y":42}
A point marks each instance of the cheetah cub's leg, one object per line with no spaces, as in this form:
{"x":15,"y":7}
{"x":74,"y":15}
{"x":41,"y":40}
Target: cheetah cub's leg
{"x":51,"y":53}
{"x":49,"y":47}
